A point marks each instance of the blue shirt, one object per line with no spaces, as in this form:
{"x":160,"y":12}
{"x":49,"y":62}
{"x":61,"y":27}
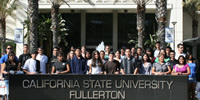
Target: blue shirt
{"x":192,"y":70}
{"x":4,"y":58}
{"x":78,"y":66}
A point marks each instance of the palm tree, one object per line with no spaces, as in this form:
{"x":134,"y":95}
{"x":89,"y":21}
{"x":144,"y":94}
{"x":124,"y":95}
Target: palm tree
{"x":55,"y":5}
{"x":33,"y":17}
{"x":161,"y":16}
{"x":141,"y":8}
{"x":6,"y":8}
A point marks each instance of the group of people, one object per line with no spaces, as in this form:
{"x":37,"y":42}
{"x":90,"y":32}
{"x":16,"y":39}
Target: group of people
{"x":161,"y":61}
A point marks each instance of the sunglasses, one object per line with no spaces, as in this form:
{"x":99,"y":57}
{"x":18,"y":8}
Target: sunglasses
{"x":9,"y":48}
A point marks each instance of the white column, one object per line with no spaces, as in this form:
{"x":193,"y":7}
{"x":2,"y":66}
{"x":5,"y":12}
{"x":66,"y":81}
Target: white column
{"x":21,"y":15}
{"x":115,"y":30}
{"x":83,"y":28}
{"x":176,"y":15}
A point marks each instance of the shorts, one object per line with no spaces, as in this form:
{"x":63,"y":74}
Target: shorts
{"x":192,"y":80}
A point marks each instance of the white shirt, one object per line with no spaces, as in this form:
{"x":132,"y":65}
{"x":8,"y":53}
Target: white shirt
{"x":177,"y":55}
{"x":96,"y":69}
{"x":30,"y":65}
{"x":43,"y":61}
{"x":156,"y":53}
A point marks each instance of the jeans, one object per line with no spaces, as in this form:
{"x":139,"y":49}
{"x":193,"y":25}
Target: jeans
{"x":7,"y":88}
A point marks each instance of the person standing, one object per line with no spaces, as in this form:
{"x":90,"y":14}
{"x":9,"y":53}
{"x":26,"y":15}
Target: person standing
{"x":128,"y":64}
{"x":172,"y":60}
{"x":78,"y":63}
{"x":180,"y":51}
{"x":23,"y":57}
{"x":192,"y":76}
{"x":53,"y":59}
{"x":145,"y":68}
{"x":9,"y":67}
{"x":133,"y":51}
{"x":111,"y":66}
{"x":157,"y":51}
{"x":43,"y":61}
{"x":32,"y":66}
{"x":95,"y":67}
{"x":139,"y":52}
{"x":107,"y":51}
{"x":117,"y":56}
{"x":161,"y":68}
{"x":83,"y":51}
{"x":151,"y":57}
{"x":102,"y":56}
{"x":181,"y":68}
{"x":60,"y":67}
{"x":167,"y":50}
{"x":4,"y":58}
{"x":122,"y":53}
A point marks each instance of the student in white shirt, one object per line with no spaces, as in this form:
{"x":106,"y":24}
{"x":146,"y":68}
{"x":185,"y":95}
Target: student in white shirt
{"x":43,"y":61}
{"x":157,"y":51}
{"x":180,"y":51}
{"x":32,"y":66}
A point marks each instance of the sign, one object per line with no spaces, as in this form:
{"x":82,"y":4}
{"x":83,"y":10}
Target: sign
{"x":18,"y":35}
{"x":169,"y":35}
{"x":98,"y":87}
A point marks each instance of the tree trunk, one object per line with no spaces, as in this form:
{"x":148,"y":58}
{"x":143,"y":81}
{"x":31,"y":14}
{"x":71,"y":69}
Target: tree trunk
{"x":140,"y":24}
{"x":161,"y":15}
{"x":2,"y":34}
{"x":33,"y":16}
{"x":55,"y":22}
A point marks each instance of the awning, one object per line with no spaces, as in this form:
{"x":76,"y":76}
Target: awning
{"x":191,"y":41}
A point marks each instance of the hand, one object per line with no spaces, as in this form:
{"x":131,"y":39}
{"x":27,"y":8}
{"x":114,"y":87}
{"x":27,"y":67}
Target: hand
{"x":33,"y":73}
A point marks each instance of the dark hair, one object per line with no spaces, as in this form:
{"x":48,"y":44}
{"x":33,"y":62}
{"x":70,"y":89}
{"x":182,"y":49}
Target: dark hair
{"x":102,"y":51}
{"x":158,"y":42}
{"x":60,"y":54}
{"x":168,"y":47}
{"x":178,"y":45}
{"x":26,"y":45}
{"x":181,"y":56}
{"x":9,"y":45}
{"x":188,"y":57}
{"x":56,"y":48}
{"x":34,"y":52}
{"x":148,"y":60}
{"x":99,"y":61}
{"x":111,"y":53}
{"x":164,"y":51}
{"x":118,"y":51}
{"x":127,"y":49}
{"x":172,"y":51}
{"x":139,"y":48}
{"x":11,"y":54}
{"x":150,"y":50}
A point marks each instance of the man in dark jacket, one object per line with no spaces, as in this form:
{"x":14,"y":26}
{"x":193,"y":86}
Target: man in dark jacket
{"x":78,"y":63}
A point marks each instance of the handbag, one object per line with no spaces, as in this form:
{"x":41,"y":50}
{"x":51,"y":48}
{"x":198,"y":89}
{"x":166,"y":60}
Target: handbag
{"x":2,"y":87}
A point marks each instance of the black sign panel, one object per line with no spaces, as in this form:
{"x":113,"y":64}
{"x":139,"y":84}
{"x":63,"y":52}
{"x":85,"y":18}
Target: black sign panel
{"x":98,"y":87}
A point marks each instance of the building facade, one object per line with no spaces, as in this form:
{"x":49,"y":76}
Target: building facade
{"x":105,"y":21}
